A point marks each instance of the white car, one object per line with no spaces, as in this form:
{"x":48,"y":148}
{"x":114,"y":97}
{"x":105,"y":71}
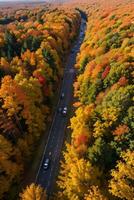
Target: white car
{"x":46,"y":164}
{"x":64,"y":111}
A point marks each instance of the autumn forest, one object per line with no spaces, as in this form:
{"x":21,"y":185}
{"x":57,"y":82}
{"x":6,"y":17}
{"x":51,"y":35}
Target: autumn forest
{"x":97,"y":161}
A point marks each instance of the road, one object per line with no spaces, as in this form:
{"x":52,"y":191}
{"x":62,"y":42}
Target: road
{"x":46,"y":178}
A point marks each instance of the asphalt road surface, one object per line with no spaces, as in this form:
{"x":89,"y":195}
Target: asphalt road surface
{"x":46,"y":178}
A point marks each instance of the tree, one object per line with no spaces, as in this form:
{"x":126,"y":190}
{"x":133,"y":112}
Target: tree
{"x":49,"y":58}
{"x":10,"y":127}
{"x":31,"y":42}
{"x":12,"y":46}
{"x":95,"y":194}
{"x":77,"y":175}
{"x":121,"y":184}
{"x":105,"y":79}
{"x":31,"y":53}
{"x":33,"y":192}
{"x":102,"y":154}
{"x":10,"y":168}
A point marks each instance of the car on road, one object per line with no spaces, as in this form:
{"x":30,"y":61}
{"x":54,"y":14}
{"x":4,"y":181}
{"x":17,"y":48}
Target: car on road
{"x":64,"y":111}
{"x":46,"y":163}
{"x":62,"y":95}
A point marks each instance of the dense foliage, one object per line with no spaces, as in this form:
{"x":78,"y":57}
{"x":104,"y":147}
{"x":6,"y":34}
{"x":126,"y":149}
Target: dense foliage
{"x":31,"y":66}
{"x":33,"y":192}
{"x":98,"y":164}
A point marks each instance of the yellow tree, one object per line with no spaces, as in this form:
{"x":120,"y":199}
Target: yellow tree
{"x":76,"y":175}
{"x":81,"y":134}
{"x":94,"y":194}
{"x":33,"y":192}
{"x":11,"y":94}
{"x":121,"y":184}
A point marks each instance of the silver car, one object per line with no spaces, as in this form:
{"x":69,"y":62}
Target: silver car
{"x":62,"y":95}
{"x":64,"y":111}
{"x":46,"y":164}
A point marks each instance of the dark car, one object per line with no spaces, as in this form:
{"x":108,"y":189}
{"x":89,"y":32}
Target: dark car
{"x":46,"y":163}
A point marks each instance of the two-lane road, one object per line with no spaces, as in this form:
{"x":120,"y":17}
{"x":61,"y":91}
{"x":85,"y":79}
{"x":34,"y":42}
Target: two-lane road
{"x":55,"y":141}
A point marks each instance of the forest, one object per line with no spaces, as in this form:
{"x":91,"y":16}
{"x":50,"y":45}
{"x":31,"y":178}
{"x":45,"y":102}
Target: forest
{"x":33,"y":44}
{"x":98,"y":162}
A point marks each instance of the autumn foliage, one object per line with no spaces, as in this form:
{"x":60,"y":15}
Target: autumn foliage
{"x":103,"y":123}
{"x":33,"y":43}
{"x":33,"y":192}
